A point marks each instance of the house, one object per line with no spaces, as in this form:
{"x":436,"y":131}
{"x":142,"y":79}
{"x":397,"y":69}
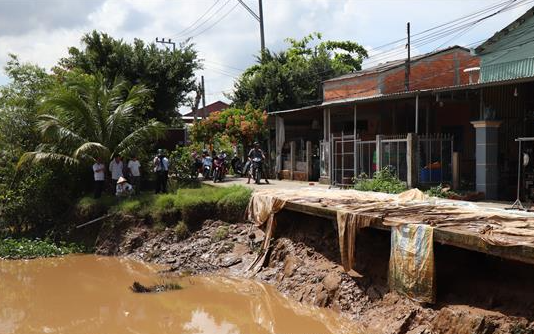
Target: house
{"x":453,"y":119}
{"x":360,"y":106}
{"x":204,"y":112}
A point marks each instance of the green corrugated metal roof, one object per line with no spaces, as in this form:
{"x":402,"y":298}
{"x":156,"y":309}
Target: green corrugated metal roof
{"x":507,"y":71}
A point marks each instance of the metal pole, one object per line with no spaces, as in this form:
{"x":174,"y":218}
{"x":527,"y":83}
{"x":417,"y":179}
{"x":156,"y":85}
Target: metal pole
{"x":407,"y":66}
{"x":203,"y":98}
{"x":354,"y":146}
{"x":417,"y":114}
{"x":519,"y":171}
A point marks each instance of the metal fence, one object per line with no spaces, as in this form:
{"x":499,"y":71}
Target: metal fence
{"x":394,"y":155}
{"x":435,"y":153}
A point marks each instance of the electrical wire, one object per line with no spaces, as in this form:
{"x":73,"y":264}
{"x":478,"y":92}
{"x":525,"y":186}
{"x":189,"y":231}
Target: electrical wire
{"x":197,"y":20}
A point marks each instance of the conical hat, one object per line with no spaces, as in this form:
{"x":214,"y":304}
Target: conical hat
{"x":121,"y":180}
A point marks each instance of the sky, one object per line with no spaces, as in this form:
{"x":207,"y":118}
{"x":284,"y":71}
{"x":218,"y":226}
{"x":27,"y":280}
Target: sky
{"x":227,"y":37}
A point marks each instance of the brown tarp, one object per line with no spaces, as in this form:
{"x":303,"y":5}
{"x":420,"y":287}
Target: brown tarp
{"x":357,"y":209}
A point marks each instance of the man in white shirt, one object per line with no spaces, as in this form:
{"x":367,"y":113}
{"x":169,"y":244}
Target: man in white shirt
{"x":161,"y":168}
{"x":99,"y":176}
{"x":115,"y":167}
{"x":135,"y":174}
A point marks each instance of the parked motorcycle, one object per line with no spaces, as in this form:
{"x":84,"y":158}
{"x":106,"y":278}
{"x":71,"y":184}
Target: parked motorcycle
{"x":256,"y":169}
{"x":219,"y":168}
{"x":206,"y":172}
{"x":196,"y":168}
{"x":237,"y":166}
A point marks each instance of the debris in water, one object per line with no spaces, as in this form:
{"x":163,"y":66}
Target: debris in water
{"x":140,"y":288}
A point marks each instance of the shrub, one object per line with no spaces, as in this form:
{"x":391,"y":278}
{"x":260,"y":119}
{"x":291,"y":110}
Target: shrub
{"x":25,"y":248}
{"x":220,"y":233}
{"x":181,"y":230}
{"x":383,"y":181}
{"x":440,"y":191}
{"x":132,"y":207}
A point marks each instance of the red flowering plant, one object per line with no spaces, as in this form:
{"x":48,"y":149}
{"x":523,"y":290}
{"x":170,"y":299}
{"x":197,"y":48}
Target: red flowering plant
{"x":239,"y":126}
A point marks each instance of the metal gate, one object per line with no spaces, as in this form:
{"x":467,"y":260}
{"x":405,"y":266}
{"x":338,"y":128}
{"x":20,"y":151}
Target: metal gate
{"x":435,"y":158}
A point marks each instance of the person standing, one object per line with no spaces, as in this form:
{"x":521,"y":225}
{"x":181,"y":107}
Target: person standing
{"x":134,"y":167}
{"x":161,"y":168}
{"x":115,"y":167}
{"x":99,"y":176}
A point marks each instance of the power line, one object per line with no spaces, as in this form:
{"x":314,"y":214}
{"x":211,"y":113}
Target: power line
{"x":216,"y":22}
{"x":197,"y":20}
{"x":205,"y":21}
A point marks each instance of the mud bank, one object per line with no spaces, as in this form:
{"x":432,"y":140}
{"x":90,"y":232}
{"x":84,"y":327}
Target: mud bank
{"x":477,"y":294}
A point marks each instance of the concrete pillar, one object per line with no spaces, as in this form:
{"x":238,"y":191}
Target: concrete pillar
{"x":411,"y":160}
{"x":487,"y":149}
{"x":292,"y":158}
{"x":308,"y":160}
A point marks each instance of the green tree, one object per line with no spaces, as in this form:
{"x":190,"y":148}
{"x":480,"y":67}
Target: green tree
{"x":168,"y":74}
{"x":85,"y":118}
{"x":293,"y":77}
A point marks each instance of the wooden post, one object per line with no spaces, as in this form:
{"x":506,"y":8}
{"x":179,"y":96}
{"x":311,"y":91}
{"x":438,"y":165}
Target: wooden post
{"x":378,"y":152}
{"x":411,"y":160}
{"x":308,"y":160}
{"x":292,"y":149}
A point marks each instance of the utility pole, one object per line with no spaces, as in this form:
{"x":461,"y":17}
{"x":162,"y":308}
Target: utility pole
{"x":203,"y":98}
{"x":258,"y":18}
{"x":163,"y":41}
{"x":262,"y":32}
{"x":407,"y":67}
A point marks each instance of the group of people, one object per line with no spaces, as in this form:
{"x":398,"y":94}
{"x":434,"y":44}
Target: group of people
{"x":126,"y":178}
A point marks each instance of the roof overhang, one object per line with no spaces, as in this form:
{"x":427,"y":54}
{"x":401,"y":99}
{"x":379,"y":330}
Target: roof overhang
{"x":483,"y":84}
{"x":379,"y":97}
{"x":316,"y":106}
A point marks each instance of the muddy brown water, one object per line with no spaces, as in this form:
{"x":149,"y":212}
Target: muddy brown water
{"x":90,"y":294}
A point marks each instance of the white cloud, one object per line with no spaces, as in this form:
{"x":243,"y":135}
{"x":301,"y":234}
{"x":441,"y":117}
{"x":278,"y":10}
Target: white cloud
{"x":234,"y":41}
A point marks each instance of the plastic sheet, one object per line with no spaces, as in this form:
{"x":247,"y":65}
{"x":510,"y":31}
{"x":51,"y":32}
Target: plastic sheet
{"x":411,"y":263}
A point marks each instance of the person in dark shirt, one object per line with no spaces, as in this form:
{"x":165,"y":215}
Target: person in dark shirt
{"x":256,"y":152}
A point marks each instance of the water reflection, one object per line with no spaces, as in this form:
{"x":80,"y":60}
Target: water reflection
{"x":89,"y":294}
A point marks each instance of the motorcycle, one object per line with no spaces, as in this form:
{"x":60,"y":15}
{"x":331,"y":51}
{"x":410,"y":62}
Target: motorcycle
{"x":256,"y":169}
{"x":206,"y":172}
{"x":219,"y":168}
{"x":196,"y":168}
{"x":237,"y":166}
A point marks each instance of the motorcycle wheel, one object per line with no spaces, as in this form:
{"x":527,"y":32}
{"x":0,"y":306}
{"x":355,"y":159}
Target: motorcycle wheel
{"x":215,"y":175}
{"x":258,"y":176}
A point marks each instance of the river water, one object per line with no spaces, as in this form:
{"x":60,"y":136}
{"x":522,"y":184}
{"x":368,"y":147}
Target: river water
{"x":89,"y":294}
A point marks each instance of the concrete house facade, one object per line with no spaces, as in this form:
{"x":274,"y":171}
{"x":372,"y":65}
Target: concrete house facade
{"x":456,"y":121}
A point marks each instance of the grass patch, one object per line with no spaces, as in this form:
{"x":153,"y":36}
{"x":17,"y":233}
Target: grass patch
{"x":27,"y":249}
{"x":220,"y":233}
{"x":188,"y":205}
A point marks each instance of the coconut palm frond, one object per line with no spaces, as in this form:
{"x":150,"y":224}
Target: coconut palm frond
{"x":42,"y":157}
{"x":53,"y":130}
{"x":153,"y":131}
{"x":91,"y":150}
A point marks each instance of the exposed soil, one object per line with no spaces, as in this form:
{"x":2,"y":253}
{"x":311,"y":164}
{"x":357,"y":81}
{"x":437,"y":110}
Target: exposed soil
{"x":476,"y":293}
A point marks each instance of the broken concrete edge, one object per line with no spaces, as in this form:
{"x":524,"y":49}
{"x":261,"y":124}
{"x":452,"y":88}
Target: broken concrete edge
{"x":443,"y":235}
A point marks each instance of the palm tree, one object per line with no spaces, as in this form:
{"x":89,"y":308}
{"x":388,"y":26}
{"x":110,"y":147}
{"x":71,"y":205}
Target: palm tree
{"x":85,"y":119}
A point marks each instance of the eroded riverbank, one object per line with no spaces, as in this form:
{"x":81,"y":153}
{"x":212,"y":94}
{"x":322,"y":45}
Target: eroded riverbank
{"x":304,"y":264}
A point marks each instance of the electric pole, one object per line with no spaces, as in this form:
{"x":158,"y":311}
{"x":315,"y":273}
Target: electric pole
{"x":203,"y":98}
{"x":163,"y":41}
{"x":407,"y":67}
{"x":258,"y":18}
{"x":262,"y":32}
